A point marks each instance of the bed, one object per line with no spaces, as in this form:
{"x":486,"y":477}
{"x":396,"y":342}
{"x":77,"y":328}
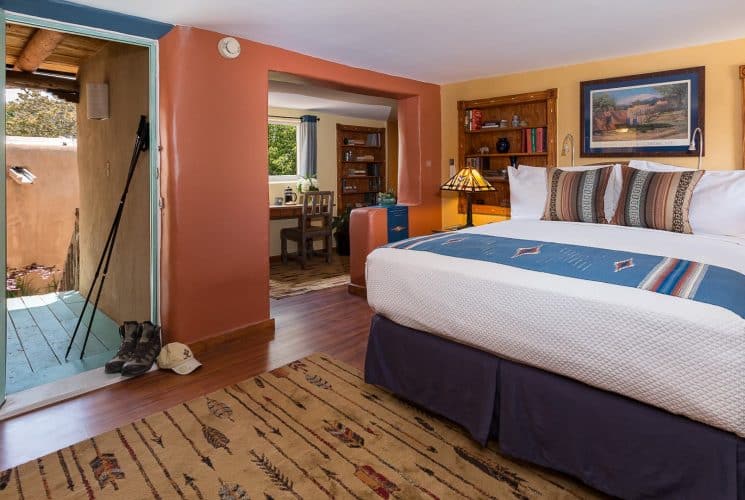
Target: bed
{"x":639,"y":394}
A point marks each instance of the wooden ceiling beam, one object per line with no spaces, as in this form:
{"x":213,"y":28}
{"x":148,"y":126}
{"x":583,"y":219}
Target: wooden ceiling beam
{"x":41,"y":44}
{"x":64,"y":88}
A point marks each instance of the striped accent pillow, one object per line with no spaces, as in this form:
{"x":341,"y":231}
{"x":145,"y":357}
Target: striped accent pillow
{"x":577,"y":196}
{"x":656,"y":200}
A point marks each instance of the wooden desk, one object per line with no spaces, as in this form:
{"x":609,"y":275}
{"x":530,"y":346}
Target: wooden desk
{"x":277,"y":212}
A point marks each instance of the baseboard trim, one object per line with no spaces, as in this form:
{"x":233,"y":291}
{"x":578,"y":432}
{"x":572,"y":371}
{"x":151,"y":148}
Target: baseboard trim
{"x":261,"y":329}
{"x":357,"y":290}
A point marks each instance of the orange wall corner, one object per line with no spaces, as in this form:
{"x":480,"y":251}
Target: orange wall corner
{"x":213,"y":115}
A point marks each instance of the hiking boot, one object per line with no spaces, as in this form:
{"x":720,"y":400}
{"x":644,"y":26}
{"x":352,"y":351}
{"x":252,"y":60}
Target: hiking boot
{"x":147,"y":349}
{"x":130,"y":334}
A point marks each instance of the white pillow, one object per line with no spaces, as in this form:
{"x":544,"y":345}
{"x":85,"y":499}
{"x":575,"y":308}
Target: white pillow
{"x":718,"y":203}
{"x":652,"y":166}
{"x":718,"y":200}
{"x":528,"y":190}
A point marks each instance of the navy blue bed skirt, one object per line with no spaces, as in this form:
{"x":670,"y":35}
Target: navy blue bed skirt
{"x":615,"y":444}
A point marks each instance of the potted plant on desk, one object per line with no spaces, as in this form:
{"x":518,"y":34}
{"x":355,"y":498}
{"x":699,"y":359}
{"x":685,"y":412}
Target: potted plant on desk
{"x":340,"y":225}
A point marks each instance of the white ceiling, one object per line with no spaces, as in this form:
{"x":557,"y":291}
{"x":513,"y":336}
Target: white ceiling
{"x":445,"y":41}
{"x":307,"y":97}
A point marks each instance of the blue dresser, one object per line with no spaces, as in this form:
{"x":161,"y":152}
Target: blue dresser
{"x":398,"y":222}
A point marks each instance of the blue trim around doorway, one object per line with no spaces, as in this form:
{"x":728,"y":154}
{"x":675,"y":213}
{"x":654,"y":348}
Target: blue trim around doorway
{"x":68,"y":12}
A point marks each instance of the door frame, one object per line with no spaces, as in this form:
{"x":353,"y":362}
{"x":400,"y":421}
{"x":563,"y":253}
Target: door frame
{"x":153,"y":153}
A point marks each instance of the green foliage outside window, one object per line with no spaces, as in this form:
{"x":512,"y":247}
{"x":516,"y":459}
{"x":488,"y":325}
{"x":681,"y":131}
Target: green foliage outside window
{"x":34,"y":114}
{"x":282,"y":149}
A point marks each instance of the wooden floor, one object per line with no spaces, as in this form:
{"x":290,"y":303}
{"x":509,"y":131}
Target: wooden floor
{"x":39,"y":328}
{"x":329,"y":321}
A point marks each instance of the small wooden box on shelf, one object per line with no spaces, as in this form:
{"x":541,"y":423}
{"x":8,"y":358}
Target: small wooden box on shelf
{"x":532,"y":143}
{"x":360,"y":168}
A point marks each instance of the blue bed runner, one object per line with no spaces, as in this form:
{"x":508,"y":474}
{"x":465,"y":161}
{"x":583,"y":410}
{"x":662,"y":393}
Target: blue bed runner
{"x":666,"y":275}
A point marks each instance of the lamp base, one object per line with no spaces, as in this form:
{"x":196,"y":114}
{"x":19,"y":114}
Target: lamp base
{"x":469,"y":210}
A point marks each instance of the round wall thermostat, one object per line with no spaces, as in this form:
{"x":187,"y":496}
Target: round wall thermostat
{"x":229,"y":47}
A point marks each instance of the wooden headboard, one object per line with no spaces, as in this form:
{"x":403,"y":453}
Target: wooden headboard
{"x":742,"y":82}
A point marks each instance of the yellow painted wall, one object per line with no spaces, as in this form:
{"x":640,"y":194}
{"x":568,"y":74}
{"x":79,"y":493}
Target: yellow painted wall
{"x":723,"y":106}
{"x":326,"y":165}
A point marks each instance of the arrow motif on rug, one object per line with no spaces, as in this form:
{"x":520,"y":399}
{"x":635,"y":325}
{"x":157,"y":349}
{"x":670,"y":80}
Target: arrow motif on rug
{"x":106,"y":469}
{"x":232,"y":491}
{"x":275,"y":475}
{"x":492,"y":469}
{"x":191,"y":483}
{"x":219,"y":409}
{"x":318,"y":381}
{"x":344,"y":434}
{"x":213,"y":436}
{"x":205,"y":459}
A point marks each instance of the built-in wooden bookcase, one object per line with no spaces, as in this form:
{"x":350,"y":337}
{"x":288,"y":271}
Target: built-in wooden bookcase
{"x":360,"y":166}
{"x":528,"y":145}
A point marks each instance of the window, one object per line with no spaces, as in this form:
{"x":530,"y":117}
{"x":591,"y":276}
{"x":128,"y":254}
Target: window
{"x":282,"y":150}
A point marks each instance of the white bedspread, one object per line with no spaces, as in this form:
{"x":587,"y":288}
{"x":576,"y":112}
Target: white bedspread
{"x":683,"y":356}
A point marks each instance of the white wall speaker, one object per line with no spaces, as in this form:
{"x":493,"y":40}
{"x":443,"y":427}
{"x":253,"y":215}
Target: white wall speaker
{"x":97,"y":101}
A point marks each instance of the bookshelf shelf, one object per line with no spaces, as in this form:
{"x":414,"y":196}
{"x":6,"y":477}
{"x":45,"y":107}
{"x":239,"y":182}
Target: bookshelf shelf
{"x":496,"y":179}
{"x":501,"y":129}
{"x":537,"y":109}
{"x":505,"y":155}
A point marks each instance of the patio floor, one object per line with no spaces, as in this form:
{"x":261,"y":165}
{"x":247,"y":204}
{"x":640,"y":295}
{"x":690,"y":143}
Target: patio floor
{"x":39,"y":328}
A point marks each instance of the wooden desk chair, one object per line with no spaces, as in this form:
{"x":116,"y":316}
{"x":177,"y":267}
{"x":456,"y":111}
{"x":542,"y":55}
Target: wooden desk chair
{"x":318,"y":206}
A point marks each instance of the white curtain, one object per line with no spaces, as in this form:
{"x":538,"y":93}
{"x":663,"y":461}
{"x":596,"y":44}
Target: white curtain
{"x":307,"y":149}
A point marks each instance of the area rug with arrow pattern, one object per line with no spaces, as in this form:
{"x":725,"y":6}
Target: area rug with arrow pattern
{"x":311,"y":429}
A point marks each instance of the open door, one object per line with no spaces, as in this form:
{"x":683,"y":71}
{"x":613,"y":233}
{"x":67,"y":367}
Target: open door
{"x":129,"y":58}
{"x":3,"y":306}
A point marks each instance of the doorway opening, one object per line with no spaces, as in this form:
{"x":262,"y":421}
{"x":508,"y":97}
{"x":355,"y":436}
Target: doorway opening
{"x":322,"y":140}
{"x":72,"y":106}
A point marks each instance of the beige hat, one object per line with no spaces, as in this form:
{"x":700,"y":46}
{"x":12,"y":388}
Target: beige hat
{"x":177,"y":357}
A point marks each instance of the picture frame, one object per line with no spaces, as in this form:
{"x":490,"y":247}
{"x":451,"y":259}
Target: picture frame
{"x":651,"y":114}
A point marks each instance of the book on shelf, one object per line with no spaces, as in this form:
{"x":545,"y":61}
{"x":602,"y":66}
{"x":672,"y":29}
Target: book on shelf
{"x":373,"y":140}
{"x":534,"y":140}
{"x":365,"y":158}
{"x":473,"y":119}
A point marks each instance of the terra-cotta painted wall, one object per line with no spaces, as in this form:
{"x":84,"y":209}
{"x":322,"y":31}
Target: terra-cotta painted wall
{"x":214,"y":276}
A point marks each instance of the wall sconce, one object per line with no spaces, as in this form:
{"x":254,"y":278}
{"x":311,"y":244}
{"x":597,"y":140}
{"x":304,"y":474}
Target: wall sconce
{"x":568,"y":146}
{"x":21,"y":175}
{"x":692,"y":146}
{"x":97,"y":101}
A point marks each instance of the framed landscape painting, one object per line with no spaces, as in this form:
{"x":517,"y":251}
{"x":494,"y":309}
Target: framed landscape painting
{"x":653,"y":114}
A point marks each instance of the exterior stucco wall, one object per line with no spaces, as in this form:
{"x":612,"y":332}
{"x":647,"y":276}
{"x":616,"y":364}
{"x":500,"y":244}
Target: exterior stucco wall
{"x":41,"y":216}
